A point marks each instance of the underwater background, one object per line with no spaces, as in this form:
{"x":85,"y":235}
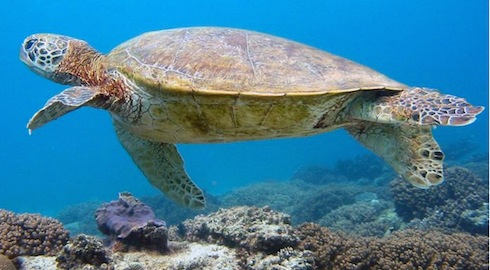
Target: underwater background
{"x":436,"y":44}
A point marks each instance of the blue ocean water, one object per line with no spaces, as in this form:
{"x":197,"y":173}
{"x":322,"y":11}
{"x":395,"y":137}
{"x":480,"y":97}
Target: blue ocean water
{"x":438,"y":44}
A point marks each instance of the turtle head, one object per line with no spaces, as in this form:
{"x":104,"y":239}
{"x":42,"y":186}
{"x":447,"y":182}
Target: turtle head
{"x":46,"y":55}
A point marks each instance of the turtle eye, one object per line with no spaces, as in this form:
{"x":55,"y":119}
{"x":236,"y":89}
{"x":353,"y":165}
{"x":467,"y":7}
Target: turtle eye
{"x":28,"y":45}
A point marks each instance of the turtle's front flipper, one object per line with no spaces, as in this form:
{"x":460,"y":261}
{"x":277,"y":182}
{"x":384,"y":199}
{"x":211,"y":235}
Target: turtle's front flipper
{"x":63,"y":103}
{"x":162,"y":165}
{"x":410,"y":150}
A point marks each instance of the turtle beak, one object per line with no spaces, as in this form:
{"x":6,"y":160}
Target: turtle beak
{"x":24,"y":57}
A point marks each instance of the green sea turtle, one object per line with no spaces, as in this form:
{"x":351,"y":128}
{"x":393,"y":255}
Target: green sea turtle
{"x":206,"y":84}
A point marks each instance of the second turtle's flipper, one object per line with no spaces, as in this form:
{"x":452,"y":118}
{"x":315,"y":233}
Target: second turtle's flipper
{"x":63,"y":103}
{"x":410,"y":150}
{"x":162,"y":165}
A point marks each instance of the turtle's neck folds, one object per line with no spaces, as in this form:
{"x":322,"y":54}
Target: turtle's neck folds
{"x":83,"y":65}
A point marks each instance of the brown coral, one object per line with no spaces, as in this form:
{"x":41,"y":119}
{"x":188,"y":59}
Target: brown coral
{"x":413,"y":249}
{"x":409,"y":249}
{"x":30,"y":234}
{"x":6,"y":263}
{"x":325,"y":244}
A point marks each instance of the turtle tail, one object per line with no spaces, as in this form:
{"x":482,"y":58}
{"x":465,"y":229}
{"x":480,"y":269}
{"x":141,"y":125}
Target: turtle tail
{"x":410,"y":150}
{"x":421,"y":106}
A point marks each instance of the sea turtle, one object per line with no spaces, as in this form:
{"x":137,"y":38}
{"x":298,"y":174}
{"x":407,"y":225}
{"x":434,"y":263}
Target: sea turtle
{"x":210,"y":84}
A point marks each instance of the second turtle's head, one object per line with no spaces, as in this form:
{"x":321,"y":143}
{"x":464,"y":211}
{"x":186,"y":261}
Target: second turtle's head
{"x":44,"y":54}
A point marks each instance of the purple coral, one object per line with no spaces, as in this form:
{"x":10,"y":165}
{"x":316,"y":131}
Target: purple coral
{"x":133,"y":223}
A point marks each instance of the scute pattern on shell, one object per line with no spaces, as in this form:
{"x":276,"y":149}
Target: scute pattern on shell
{"x":230,"y":61}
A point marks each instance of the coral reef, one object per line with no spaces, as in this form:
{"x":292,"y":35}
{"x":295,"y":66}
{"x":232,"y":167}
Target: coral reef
{"x":132,"y":223}
{"x":84,"y":252}
{"x":363,"y":169}
{"x":119,"y":218}
{"x":476,"y":220}
{"x":164,"y":208}
{"x":36,"y":263}
{"x":261,"y":239}
{"x":366,"y":166}
{"x":365,"y":228}
{"x":478,"y":164}
{"x":6,"y":263}
{"x":325,"y":245}
{"x":276,"y":195}
{"x":373,"y":218}
{"x":443,"y":206}
{"x":184,"y":256}
{"x":79,"y":218}
{"x":324,"y":199}
{"x":30,"y":234}
{"x":286,"y":258}
{"x":317,"y":175}
{"x":409,"y":249}
{"x":304,"y":202}
{"x":251,"y":228}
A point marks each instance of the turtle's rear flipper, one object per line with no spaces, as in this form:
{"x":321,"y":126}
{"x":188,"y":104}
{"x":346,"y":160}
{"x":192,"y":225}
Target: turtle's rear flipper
{"x":429,"y":107}
{"x":421,"y":106}
{"x":63,"y":103}
{"x":162,"y":165}
{"x":409,"y":149}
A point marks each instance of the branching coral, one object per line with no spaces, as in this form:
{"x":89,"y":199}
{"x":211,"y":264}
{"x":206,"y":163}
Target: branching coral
{"x":443,"y":206}
{"x":325,"y":244}
{"x":409,"y":249}
{"x":374,"y":218}
{"x":30,"y":234}
{"x":324,"y":199}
